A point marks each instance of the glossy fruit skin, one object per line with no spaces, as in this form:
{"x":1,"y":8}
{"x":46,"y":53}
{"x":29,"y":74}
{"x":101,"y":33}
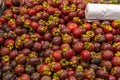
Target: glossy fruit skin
{"x":31,"y":12}
{"x":71,"y":72}
{"x":71,"y":26}
{"x":85,"y":55}
{"x":8,"y":3}
{"x":115,"y":61}
{"x":109,"y":37}
{"x":77,"y":32}
{"x":111,"y":77}
{"x":34,"y":25}
{"x":57,"y":55}
{"x":2,"y":20}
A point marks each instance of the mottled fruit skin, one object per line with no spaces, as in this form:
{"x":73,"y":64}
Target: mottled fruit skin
{"x":29,"y":44}
{"x":79,"y":75}
{"x":4,"y":51}
{"x":98,"y":31}
{"x":57,"y":55}
{"x":78,"y":46}
{"x":102,"y":73}
{"x":35,"y":76}
{"x":115,"y":71}
{"x":64,"y":74}
{"x":57,"y":40}
{"x":107,"y":65}
{"x":1,"y":40}
{"x":106,"y":46}
{"x":13,"y":54}
{"x":107,"y":55}
{"x":45,"y":78}
{"x":115,"y":61}
{"x":57,"y":66}
{"x":72,"y":78}
{"x":68,"y":54}
{"x":111,"y":77}
{"x":97,"y":47}
{"x":19,"y":69}
{"x":37,"y":46}
{"x":24,"y":77}
{"x":43,"y":68}
{"x":90,"y":74}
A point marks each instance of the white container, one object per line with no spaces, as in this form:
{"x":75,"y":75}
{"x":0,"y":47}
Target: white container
{"x":102,"y":11}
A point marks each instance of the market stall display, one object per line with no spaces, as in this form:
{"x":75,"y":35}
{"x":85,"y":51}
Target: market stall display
{"x":52,"y":40}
